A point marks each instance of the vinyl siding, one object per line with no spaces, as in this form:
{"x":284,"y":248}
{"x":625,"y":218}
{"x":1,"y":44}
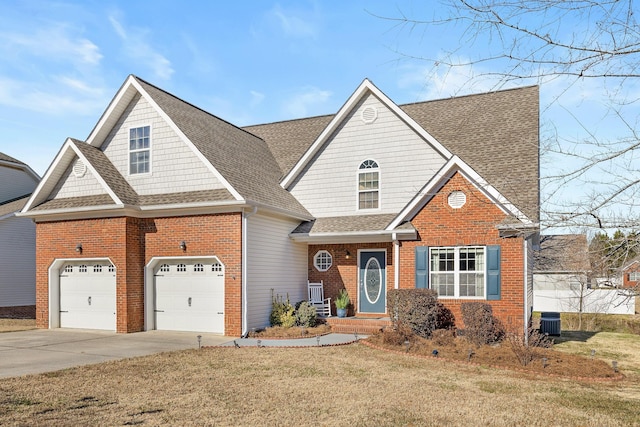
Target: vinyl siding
{"x":17,"y":262}
{"x":328,"y":186}
{"x":273,"y":262}
{"x":73,"y":186}
{"x":20,"y":183}
{"x":174,"y":166}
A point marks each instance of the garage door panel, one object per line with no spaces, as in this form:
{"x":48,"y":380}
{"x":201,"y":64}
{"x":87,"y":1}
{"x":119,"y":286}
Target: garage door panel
{"x":189,"y":298}
{"x":87,"y":297}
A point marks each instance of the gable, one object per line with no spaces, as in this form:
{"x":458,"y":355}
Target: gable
{"x":327,"y":186}
{"x":77,"y":181}
{"x":174,"y":165}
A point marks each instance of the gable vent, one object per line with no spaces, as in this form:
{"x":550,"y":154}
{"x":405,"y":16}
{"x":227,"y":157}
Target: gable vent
{"x":79,"y":169}
{"x":457,"y":199}
{"x":369,"y":115}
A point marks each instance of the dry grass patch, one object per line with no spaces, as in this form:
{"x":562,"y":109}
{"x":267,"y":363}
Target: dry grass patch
{"x":12,"y":325}
{"x":353,"y":385}
{"x":608,"y":346}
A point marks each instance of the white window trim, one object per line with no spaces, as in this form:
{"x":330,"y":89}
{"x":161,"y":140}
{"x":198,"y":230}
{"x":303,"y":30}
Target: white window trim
{"x":129,"y":151}
{"x":358,"y":191}
{"x":634,"y":276}
{"x":456,"y":272}
{"x":315,"y":260}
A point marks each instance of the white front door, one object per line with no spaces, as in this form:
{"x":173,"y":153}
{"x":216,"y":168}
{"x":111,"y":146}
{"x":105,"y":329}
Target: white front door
{"x":189,"y":295}
{"x":88,"y":295}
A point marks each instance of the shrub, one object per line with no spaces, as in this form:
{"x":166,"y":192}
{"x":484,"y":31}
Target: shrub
{"x":419,"y":310}
{"x":397,"y":335}
{"x":443,"y":337}
{"x":342,"y":300}
{"x":526,"y":351}
{"x":480,"y":326}
{"x":305,"y":314}
{"x":282,"y":312}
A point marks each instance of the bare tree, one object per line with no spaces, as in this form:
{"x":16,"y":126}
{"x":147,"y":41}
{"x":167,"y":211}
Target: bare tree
{"x":561,"y":45}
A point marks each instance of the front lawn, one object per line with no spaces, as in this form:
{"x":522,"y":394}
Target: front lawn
{"x":349,"y":385}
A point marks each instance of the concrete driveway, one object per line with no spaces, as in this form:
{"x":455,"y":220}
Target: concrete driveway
{"x":46,"y":350}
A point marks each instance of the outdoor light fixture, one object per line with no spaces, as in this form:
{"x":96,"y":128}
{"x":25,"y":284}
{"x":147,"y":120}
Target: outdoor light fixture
{"x":347,"y":254}
{"x":614,"y":364}
{"x":544,"y":362}
{"x":199,"y":339}
{"x":435,"y":353}
{"x":79,"y":248}
{"x":318,"y":340}
{"x":183,"y":246}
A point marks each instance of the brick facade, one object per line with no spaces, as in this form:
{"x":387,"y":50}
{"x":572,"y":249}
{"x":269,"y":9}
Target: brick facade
{"x":130,"y":243}
{"x":440,"y":225}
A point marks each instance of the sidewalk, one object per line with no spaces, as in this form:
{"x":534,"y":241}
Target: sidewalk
{"x":319,"y":341}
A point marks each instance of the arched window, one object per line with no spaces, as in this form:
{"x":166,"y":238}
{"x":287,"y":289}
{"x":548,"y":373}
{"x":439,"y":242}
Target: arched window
{"x":368,"y":185}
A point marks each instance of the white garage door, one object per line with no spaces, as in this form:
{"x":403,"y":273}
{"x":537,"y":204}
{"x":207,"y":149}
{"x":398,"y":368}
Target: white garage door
{"x":88,"y":296}
{"x":189,"y":296}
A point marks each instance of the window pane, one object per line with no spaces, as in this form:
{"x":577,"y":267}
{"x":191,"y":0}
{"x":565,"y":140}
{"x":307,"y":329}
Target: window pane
{"x":368,"y":200}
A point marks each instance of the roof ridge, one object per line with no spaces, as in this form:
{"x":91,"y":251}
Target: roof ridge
{"x":469,"y":95}
{"x":191,"y":105}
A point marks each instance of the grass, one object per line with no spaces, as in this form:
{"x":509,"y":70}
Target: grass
{"x":608,"y":346}
{"x":594,"y":322}
{"x":13,"y":325}
{"x":353,"y":385}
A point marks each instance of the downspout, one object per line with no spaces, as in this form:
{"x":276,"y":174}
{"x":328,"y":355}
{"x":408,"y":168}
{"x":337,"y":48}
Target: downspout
{"x":245,"y":320}
{"x":396,"y":260}
{"x":526,"y":291}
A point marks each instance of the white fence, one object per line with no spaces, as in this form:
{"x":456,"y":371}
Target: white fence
{"x":605,"y":301}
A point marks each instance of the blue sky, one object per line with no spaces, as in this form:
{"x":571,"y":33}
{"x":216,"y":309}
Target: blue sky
{"x":247,"y":62}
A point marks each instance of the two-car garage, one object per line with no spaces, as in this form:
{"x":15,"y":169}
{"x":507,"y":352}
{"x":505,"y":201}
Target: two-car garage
{"x":181,"y":294}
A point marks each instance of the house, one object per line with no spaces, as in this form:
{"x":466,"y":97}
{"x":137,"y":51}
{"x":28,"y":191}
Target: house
{"x":631,"y":274}
{"x":17,"y":240}
{"x":562,"y":279}
{"x":167,"y":217}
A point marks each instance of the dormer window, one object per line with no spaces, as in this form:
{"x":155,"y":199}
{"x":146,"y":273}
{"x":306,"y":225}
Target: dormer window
{"x":139,"y":150}
{"x":368,"y":185}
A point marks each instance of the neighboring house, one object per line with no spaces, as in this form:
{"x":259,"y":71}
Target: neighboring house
{"x":562,"y":279}
{"x":631,"y":274}
{"x":17,"y":240}
{"x":168,"y":217}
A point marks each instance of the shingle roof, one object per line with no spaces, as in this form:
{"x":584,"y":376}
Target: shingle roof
{"x":7,"y":158}
{"x":75,"y":202}
{"x":562,"y":253}
{"x":108,"y":172}
{"x":346,"y":224}
{"x":495,"y":133}
{"x":13,"y":205}
{"x":242,"y":158}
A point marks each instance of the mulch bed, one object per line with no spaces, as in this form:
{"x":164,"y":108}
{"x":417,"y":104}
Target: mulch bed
{"x":278,"y":332}
{"x":502,"y":356}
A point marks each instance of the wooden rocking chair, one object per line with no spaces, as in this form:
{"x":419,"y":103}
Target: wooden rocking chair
{"x":317,"y":299}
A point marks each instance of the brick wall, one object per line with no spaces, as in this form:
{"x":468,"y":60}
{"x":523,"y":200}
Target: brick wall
{"x":473,"y":224}
{"x":130,"y":243}
{"x":439,"y":225}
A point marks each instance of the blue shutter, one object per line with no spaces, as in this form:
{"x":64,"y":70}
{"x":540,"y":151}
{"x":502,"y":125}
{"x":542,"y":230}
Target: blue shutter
{"x":422,"y":267}
{"x":493,"y":272}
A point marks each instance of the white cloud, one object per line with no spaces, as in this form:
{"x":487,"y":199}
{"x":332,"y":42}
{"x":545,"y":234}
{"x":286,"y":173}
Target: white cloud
{"x":293,"y":24}
{"x":137,"y":48}
{"x":426,"y":82}
{"x":56,"y":42}
{"x":304,"y":101}
{"x":75,"y":97}
{"x":256,"y":98}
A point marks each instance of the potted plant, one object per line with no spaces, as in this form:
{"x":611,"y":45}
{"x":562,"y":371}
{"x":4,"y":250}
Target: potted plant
{"x":342,"y":301}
